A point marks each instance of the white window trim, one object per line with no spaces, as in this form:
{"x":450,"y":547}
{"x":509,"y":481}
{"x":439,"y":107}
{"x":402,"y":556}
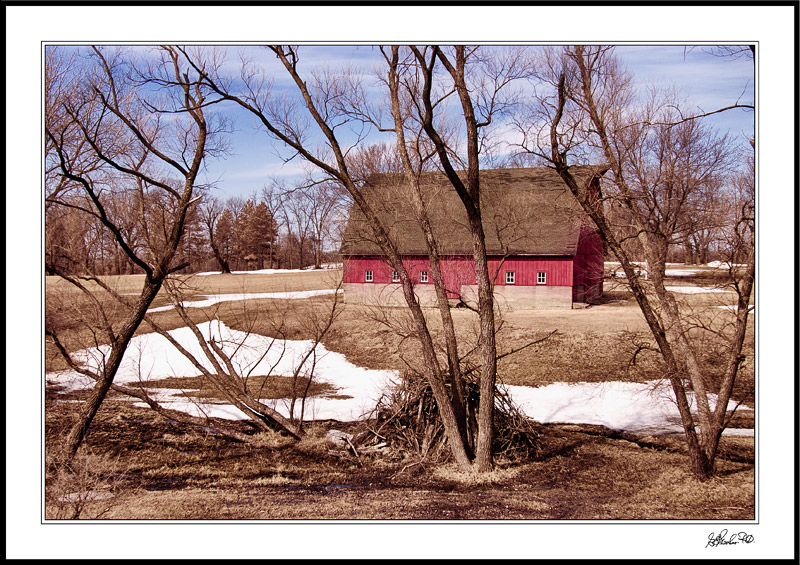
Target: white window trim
{"x":395,"y":276}
{"x":541,"y":277}
{"x":511,"y":277}
{"x":423,"y":276}
{"x":368,"y":276}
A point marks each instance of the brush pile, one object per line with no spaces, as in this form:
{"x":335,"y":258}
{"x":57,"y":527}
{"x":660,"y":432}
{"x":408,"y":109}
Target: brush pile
{"x":406,"y":424}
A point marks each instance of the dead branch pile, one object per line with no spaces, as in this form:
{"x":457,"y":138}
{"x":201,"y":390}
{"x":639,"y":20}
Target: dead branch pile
{"x":406,"y":423}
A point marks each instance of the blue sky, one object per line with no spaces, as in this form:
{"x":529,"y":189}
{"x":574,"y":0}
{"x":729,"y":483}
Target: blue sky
{"x":706,"y":81}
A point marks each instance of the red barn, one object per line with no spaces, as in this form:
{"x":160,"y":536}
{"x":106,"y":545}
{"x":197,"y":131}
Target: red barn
{"x":541,"y":247}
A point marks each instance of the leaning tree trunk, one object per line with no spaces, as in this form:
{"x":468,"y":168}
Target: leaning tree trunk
{"x":458,"y":389}
{"x":101,"y":387}
{"x":701,"y":464}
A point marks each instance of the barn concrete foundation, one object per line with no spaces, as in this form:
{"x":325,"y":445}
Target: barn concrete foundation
{"x":507,"y":297}
{"x":525,"y":297}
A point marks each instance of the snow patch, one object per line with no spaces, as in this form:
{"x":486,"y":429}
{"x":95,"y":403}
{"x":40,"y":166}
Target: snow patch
{"x":152,"y":357}
{"x":211,"y":299}
{"x":693,"y":289}
{"x":723,"y":265}
{"x":739,"y":432}
{"x":646,"y":408}
{"x":735,"y":307}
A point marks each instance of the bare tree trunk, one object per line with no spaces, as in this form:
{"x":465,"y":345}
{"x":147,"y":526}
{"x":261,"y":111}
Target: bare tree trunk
{"x":688,"y":252}
{"x":458,"y":394}
{"x":111,"y":365}
{"x":654,"y":234}
{"x":483,"y":448}
{"x":341,"y":172}
{"x":451,"y":423}
{"x":224,"y":266}
{"x":158,"y":264}
{"x":469,"y":193}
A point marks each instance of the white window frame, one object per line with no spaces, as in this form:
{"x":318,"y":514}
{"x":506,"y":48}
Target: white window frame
{"x":423,"y":276}
{"x":510,"y":277}
{"x":541,"y":277}
{"x":395,"y":276}
{"x":367,"y":276}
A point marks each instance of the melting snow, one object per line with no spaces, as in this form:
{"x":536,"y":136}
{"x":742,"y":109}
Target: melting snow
{"x":693,"y":289}
{"x":635,"y":407}
{"x":646,"y":408}
{"x":211,"y":299}
{"x":324,"y":266}
{"x":152,"y":357}
{"x":735,"y":308}
{"x":724,"y":265}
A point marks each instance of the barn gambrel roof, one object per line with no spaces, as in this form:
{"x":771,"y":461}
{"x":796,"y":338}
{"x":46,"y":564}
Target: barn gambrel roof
{"x":525,"y":211}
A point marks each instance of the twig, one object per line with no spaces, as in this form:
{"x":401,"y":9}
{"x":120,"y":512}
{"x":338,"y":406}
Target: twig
{"x":405,"y":468}
{"x":353,"y":447}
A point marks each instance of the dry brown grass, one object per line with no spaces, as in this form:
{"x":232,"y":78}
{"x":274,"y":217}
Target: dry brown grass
{"x":87,"y":487}
{"x":590,"y":345}
{"x":165,"y":470}
{"x":594,"y":344}
{"x":261,"y":387}
{"x":451,"y":473}
{"x":221,"y":284}
{"x":74,"y":313}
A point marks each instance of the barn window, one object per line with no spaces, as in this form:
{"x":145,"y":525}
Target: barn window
{"x":509,"y":277}
{"x":368,"y":276}
{"x":541,"y":277}
{"x":395,"y":276}
{"x":423,"y":276}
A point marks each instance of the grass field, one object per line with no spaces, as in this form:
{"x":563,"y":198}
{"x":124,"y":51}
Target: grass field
{"x":158,"y":469}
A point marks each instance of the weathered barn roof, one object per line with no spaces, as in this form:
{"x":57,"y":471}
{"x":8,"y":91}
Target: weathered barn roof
{"x":526,"y":211}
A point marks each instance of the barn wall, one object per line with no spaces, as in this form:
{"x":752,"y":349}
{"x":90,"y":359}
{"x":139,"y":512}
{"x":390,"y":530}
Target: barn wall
{"x":557,"y":269}
{"x":588,"y":267}
{"x":456,"y":268}
{"x":354,"y":268}
{"x":459,"y":270}
{"x":507,"y":297}
{"x":459,"y":276}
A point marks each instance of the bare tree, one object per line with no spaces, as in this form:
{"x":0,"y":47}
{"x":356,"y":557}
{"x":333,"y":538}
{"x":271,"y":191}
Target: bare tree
{"x":657,"y":160}
{"x":134,"y":128}
{"x":480,"y":104}
{"x":235,"y":380}
{"x":297,"y":214}
{"x":322,"y":101}
{"x":327,"y":206}
{"x":415,"y":155}
{"x":219,"y":230}
{"x":240,"y":367}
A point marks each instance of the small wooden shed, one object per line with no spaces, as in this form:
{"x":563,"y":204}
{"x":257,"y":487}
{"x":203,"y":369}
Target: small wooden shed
{"x":542,"y":249}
